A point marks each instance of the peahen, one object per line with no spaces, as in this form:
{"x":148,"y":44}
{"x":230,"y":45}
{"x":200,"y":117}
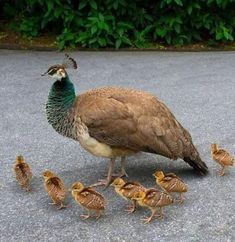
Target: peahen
{"x":114,"y":122}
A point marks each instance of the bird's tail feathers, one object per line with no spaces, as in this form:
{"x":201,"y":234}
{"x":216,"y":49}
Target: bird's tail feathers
{"x":197,"y":164}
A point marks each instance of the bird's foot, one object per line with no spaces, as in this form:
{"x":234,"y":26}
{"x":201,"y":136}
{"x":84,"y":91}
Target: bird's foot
{"x":85,"y":216}
{"x":62,"y":206}
{"x":221,"y":173}
{"x":27,"y":189}
{"x":121,"y":174}
{"x":53,"y":203}
{"x":179,"y":200}
{"x":130,"y":209}
{"x":147,"y":219}
{"x":159,"y":216}
{"x":101,"y":182}
{"x":98,"y":215}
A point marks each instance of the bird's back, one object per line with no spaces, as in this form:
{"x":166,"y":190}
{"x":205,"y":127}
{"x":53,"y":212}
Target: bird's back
{"x":55,"y":188}
{"x":223,"y":157}
{"x":23,"y":173}
{"x":129,"y":189}
{"x":91,"y":199}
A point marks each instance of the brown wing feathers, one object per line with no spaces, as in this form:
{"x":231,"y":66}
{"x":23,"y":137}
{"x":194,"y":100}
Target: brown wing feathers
{"x":138,"y":121}
{"x":91,"y":199}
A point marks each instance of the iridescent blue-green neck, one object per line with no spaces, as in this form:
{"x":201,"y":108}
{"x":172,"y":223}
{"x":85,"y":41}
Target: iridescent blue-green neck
{"x":60,"y":100}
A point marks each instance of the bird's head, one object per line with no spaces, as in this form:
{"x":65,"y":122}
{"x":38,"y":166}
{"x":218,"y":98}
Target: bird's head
{"x":118,"y":182}
{"x":77,"y":187}
{"x":20,"y":159}
{"x":47,"y":175}
{"x":158,"y":175}
{"x":58,"y":71}
{"x":214,"y":147}
{"x":139,"y":196}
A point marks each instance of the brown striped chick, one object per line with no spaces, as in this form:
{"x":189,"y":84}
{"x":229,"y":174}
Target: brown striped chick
{"x":127,"y":190}
{"x":89,"y":199}
{"x":55,"y":188}
{"x":171,"y":183}
{"x":153,"y":199}
{"x":222,"y":157}
{"x":23,"y":173}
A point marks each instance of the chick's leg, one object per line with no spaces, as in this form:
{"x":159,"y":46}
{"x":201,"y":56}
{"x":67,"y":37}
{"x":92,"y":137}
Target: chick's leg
{"x":221,"y":172}
{"x":149,"y":219}
{"x":132,"y":208}
{"x":99,"y":213}
{"x":54,"y":202}
{"x":62,"y":206}
{"x":86,"y":216}
{"x":107,"y":181}
{"x":180,"y":199}
{"x":161,"y":214}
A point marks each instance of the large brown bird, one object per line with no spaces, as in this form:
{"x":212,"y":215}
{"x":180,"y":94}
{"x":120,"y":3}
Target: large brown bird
{"x":114,"y":122}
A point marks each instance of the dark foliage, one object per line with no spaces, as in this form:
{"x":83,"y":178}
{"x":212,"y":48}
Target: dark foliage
{"x":121,"y":23}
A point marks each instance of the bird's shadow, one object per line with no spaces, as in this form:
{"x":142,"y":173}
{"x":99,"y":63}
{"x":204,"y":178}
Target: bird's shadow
{"x":139,"y":168}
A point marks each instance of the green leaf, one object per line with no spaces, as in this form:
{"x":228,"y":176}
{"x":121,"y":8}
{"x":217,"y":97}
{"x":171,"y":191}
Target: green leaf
{"x":118,"y":43}
{"x":94,"y":29}
{"x":101,"y":17}
{"x":179,"y":2}
{"x":177,"y":28}
{"x":126,"y":40}
{"x":161,"y":31}
{"x":93,"y":4}
{"x":102,"y":42}
{"x":82,"y":4}
{"x":189,"y":9}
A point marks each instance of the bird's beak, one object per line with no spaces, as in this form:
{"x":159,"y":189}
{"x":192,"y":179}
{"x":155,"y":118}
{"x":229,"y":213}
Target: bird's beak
{"x":44,"y":74}
{"x":154,"y":175}
{"x":69,"y":190}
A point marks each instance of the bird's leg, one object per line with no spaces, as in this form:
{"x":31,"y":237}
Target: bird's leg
{"x":53,"y":202}
{"x":99,"y":213}
{"x":131,"y":208}
{"x":221,"y":172}
{"x":62,"y":206}
{"x":149,"y":219}
{"x":123,"y":171}
{"x":161,"y":214}
{"x":27,"y":188}
{"x":107,"y":181}
{"x":86,"y":216}
{"x":180,"y":199}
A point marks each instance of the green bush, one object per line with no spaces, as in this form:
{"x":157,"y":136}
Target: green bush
{"x":121,"y":23}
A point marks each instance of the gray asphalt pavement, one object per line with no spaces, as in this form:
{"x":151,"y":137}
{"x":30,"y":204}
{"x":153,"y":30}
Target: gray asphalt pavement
{"x":200,"y":90}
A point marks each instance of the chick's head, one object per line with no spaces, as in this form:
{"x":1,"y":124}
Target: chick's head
{"x":214,"y":147}
{"x":77,"y":187}
{"x":159,"y":175}
{"x":139,"y":196}
{"x":20,"y":159}
{"x":118,"y":182}
{"x":47,"y":174}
